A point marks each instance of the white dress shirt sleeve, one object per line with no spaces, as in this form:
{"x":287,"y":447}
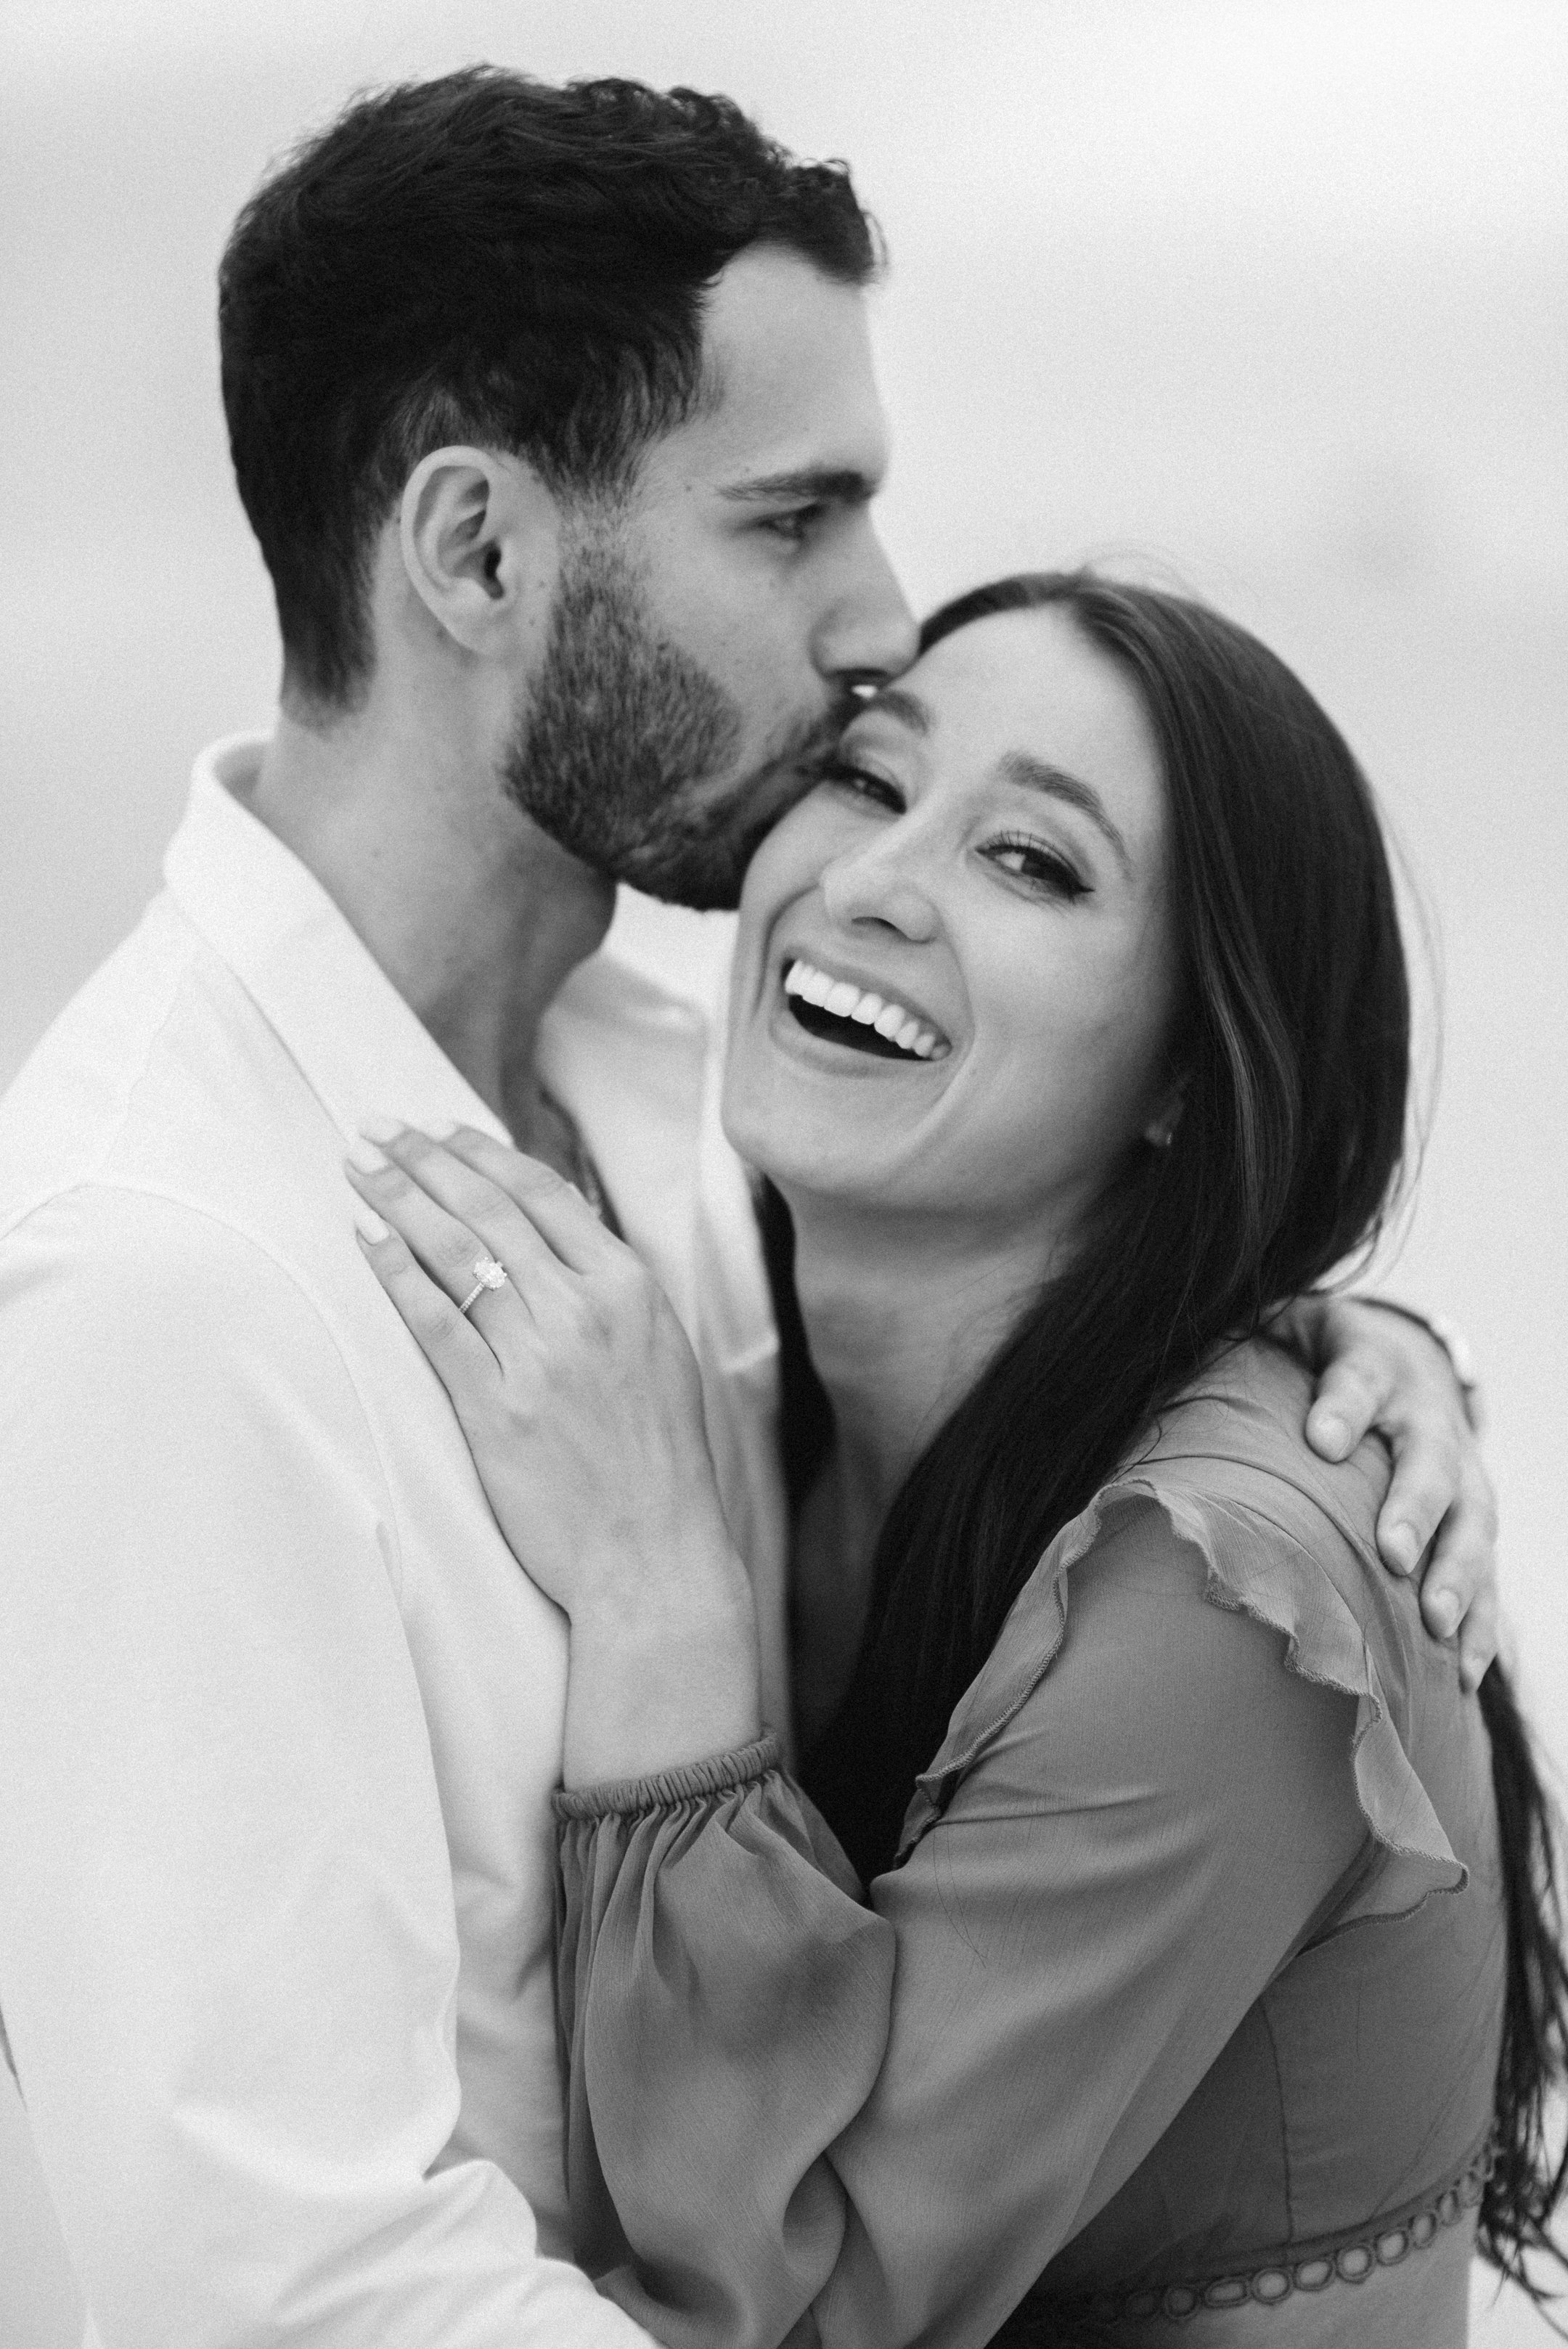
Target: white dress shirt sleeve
{"x":228,"y":1952}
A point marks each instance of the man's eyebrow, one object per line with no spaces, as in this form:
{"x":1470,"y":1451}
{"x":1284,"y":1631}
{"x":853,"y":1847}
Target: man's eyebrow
{"x":1038,"y":775}
{"x":839,"y":485}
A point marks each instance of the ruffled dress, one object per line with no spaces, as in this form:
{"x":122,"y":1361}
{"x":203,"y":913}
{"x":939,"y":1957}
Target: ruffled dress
{"x":1177,"y":2019}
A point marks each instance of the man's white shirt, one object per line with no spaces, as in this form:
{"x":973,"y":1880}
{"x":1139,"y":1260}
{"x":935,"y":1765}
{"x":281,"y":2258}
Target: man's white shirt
{"x":279,"y":1713}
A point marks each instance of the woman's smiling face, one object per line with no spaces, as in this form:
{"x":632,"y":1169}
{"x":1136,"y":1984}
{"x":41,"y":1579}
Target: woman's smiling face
{"x":955,"y":981}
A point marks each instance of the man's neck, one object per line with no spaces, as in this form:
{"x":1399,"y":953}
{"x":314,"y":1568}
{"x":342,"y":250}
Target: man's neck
{"x":474,"y":914}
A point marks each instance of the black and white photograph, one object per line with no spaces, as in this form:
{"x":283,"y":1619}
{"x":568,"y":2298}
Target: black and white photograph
{"x":783,"y":1327}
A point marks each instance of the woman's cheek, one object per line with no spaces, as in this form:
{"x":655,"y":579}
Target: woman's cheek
{"x":787,"y":866}
{"x":1053,"y":1093}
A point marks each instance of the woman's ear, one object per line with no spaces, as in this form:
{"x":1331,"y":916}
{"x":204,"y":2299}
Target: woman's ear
{"x":480,"y":536}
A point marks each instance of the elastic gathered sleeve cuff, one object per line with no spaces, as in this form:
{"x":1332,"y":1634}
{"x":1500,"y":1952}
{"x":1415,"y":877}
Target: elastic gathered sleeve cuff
{"x":716,"y":1773}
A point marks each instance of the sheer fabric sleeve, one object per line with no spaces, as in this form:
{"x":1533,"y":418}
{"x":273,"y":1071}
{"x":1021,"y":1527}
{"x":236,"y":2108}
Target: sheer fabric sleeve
{"x":801,"y":2115}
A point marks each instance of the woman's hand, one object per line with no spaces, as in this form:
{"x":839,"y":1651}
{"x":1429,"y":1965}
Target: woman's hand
{"x":1380,"y":1368}
{"x":580,"y":1396}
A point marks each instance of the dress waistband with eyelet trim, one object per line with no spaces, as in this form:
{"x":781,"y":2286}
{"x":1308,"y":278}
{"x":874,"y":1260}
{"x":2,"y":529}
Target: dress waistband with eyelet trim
{"x":1303,"y":2267}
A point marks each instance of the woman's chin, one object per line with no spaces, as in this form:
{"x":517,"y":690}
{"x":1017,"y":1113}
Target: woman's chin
{"x":801,"y":1146}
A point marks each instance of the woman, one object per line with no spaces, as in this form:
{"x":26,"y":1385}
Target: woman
{"x":1200,"y":1971}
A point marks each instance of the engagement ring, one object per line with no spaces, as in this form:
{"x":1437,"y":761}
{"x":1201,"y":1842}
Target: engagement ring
{"x":488,"y":1273}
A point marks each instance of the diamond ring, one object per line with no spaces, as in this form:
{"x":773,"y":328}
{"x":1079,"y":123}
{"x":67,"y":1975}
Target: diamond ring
{"x":488,"y":1273}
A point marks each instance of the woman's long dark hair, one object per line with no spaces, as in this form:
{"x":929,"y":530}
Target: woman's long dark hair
{"x":1293,"y":1040}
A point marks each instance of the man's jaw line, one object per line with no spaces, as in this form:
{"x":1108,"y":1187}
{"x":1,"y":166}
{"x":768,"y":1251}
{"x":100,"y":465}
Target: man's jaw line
{"x":735,"y":826}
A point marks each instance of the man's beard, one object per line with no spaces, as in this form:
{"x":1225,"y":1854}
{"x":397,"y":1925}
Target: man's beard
{"x":622,"y":731}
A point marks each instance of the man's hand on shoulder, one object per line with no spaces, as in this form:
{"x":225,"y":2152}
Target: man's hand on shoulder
{"x":1381,"y":1368}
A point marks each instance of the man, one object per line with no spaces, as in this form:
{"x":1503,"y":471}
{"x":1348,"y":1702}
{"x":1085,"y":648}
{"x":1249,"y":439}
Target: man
{"x":553,"y":415}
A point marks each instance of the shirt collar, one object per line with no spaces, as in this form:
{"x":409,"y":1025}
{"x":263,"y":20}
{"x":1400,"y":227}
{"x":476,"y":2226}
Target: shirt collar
{"x":360,"y":1047}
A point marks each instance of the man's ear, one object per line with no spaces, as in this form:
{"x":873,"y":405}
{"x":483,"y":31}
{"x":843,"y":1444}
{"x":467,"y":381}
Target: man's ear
{"x":480,"y":535}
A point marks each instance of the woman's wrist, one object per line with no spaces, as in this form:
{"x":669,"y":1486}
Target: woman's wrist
{"x":664,"y":1685}
{"x":734,"y":1771}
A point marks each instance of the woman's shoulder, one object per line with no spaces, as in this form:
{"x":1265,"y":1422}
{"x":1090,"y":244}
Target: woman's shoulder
{"x":1224,"y":1480}
{"x":1236,"y":1436}
{"x":1223,"y":1510}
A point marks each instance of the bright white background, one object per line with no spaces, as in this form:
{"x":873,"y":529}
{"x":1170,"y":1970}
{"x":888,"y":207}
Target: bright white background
{"x":1266,"y":293}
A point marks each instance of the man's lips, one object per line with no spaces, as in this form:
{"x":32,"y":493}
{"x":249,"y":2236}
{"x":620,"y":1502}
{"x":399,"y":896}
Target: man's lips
{"x":851,"y":1012}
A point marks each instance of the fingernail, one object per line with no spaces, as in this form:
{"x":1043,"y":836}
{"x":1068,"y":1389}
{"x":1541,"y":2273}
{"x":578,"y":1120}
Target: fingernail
{"x":367,"y":1158}
{"x":1401,"y":1549}
{"x":369,"y":1226}
{"x":1332,"y":1431}
{"x":1443,"y":1612}
{"x":382,"y":1129}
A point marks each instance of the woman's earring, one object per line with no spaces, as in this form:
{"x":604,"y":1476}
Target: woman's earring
{"x":1160,"y":1131}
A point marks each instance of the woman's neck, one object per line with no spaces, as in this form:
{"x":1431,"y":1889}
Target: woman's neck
{"x":901,"y":1315}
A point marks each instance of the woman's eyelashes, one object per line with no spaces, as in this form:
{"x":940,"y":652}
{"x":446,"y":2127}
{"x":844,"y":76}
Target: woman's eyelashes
{"x":861,"y":783}
{"x":1039,"y":867}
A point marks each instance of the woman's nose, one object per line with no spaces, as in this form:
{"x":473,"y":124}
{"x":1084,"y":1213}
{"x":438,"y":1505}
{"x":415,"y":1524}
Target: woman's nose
{"x":879,"y":885}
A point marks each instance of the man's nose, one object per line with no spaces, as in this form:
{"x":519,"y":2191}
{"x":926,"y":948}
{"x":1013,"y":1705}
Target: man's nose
{"x":868,"y":633}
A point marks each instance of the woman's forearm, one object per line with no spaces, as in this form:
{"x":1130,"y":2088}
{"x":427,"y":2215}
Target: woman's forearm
{"x":666,"y":1682}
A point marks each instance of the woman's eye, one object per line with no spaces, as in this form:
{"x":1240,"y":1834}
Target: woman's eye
{"x":861,"y":783}
{"x":1041,"y":867}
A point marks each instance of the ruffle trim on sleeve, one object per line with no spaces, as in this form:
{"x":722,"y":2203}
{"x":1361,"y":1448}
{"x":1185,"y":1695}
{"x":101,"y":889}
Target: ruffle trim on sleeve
{"x":1253,"y":1567}
{"x":716,"y":1773}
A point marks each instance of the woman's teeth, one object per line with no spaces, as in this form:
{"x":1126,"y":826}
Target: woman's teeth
{"x":842,"y":999}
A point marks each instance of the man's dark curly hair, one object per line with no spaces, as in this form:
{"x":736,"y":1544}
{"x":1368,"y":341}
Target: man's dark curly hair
{"x":484,"y":258}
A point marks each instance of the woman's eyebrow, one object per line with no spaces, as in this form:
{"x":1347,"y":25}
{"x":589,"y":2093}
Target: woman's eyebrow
{"x":1038,"y":775}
